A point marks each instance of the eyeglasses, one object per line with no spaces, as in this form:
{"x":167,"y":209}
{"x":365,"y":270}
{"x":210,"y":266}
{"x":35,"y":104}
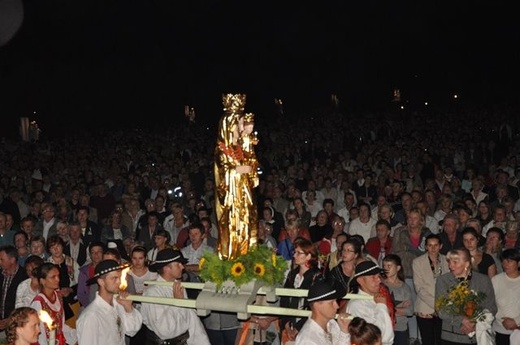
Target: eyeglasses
{"x":348,"y":251}
{"x":299,"y":252}
{"x":337,"y":223}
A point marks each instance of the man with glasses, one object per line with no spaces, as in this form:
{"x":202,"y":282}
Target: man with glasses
{"x":46,"y":226}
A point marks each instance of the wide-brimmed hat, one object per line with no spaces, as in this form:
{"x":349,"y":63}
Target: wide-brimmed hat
{"x":367,"y":268}
{"x":322,"y":291}
{"x":166,"y":256}
{"x":104,"y":267}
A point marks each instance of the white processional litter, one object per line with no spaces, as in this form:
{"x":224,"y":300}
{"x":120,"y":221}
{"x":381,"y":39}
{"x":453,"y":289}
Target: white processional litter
{"x":223,"y":300}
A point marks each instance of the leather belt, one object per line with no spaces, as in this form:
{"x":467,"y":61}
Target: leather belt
{"x":153,"y":339}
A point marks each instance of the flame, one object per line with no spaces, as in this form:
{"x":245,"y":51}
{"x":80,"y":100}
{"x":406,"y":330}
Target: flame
{"x":46,"y":318}
{"x":124,"y":283}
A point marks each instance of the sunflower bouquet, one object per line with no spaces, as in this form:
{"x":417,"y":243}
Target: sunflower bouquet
{"x":260,"y":263}
{"x":461,"y":300}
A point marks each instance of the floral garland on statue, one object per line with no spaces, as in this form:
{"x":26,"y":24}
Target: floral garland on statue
{"x":260,"y":263}
{"x":235,"y":153}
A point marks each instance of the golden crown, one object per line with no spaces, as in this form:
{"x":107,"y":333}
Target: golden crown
{"x":234,"y":103}
{"x":249,"y":118}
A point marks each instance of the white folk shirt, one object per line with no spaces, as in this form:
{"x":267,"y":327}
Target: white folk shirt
{"x":167,"y":321}
{"x":193,"y":255}
{"x":101,"y":323}
{"x":372,"y":312}
{"x":312,"y":334}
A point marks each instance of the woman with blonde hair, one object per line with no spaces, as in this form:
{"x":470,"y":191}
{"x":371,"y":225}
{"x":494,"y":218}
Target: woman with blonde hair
{"x":23,"y":327}
{"x":456,"y":329}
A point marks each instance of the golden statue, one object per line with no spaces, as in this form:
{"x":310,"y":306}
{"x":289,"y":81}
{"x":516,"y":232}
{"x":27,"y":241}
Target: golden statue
{"x":235,"y":179}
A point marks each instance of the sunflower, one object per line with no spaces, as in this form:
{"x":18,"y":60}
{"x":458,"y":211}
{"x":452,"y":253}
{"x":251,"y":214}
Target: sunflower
{"x":201,"y":263}
{"x":237,"y":269}
{"x":259,"y":269}
{"x":258,"y":263}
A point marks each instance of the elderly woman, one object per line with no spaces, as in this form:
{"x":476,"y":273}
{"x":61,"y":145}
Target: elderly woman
{"x":455,"y":328}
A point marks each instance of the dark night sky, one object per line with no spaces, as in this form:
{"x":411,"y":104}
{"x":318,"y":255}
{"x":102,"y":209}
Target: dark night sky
{"x":107,"y":60}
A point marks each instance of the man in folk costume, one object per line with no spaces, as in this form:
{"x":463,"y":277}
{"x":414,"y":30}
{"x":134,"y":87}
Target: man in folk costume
{"x":108,"y":318}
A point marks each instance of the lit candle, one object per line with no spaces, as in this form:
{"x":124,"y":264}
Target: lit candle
{"x":124,"y":284}
{"x":46,"y":318}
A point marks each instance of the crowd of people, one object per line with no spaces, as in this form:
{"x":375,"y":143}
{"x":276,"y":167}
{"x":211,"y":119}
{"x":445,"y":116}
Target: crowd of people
{"x":398,"y":207}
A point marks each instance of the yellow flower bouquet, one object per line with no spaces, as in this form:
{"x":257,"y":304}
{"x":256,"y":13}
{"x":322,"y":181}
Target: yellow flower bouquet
{"x":461,"y":300}
{"x":260,"y":263}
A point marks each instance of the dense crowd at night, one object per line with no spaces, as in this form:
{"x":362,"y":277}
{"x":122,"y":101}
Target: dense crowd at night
{"x":419,"y":195}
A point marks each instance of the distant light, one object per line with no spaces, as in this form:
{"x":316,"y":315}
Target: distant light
{"x":455,"y":96}
{"x":426,"y":103}
{"x":402,"y":107}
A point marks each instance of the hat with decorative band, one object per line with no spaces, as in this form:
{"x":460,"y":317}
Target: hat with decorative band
{"x":166,"y":256}
{"x":322,"y":291}
{"x":367,"y":268}
{"x":104,"y":267}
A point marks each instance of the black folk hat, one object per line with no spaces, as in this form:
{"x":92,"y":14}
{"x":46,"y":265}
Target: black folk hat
{"x":323,"y":290}
{"x":104,"y":267}
{"x":166,"y":256}
{"x":367,"y":268}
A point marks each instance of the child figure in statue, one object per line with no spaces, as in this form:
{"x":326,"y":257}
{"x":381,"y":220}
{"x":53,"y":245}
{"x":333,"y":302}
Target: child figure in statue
{"x":249,"y":181}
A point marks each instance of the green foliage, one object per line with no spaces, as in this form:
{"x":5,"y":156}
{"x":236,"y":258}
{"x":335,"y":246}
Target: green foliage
{"x":260,"y":263}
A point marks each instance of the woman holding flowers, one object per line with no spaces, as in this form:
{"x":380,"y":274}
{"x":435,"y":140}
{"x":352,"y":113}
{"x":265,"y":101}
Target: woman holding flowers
{"x":461,"y":297}
{"x":507,"y":295}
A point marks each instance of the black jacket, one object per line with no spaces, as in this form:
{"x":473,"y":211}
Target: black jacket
{"x":10,"y":298}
